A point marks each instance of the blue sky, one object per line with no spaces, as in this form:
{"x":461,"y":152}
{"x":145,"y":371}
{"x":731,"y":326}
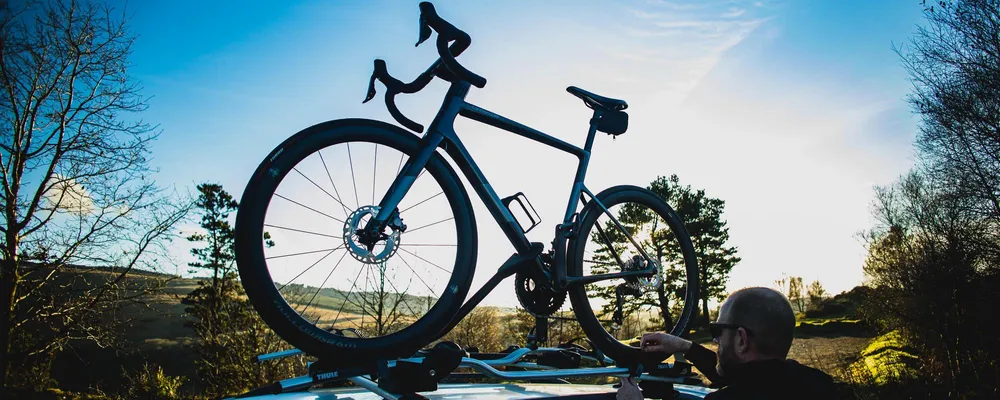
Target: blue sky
{"x":788,"y":111}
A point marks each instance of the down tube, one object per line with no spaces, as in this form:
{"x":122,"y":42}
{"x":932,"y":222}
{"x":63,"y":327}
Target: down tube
{"x":478,"y":181}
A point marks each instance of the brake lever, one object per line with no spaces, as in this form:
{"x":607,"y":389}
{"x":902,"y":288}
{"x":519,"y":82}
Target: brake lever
{"x":381,"y":73}
{"x":393,"y":87}
{"x":425,"y":30}
{"x":371,"y":88}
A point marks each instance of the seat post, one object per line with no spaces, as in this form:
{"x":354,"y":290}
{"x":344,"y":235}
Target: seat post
{"x":593,"y":130}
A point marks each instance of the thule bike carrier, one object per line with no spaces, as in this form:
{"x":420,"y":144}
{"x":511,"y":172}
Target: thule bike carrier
{"x":406,"y":377}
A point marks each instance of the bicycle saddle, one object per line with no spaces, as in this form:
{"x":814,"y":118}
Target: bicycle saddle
{"x":592,"y":99}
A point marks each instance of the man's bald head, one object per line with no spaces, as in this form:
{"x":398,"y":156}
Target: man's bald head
{"x":767,"y":313}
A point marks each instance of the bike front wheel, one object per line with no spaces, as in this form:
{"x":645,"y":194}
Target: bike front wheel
{"x":616,"y":311}
{"x":311,"y":278}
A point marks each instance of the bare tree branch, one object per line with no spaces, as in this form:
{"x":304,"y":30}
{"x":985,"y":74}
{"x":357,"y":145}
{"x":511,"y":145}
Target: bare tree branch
{"x":76,"y":179}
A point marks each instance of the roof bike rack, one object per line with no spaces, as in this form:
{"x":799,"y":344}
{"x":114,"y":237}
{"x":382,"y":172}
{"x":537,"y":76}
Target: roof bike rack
{"x":394,"y":378}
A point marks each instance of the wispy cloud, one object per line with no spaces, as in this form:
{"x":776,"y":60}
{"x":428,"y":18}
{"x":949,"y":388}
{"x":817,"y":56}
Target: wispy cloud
{"x":734,"y":12}
{"x":676,"y":5}
{"x":684,"y":40}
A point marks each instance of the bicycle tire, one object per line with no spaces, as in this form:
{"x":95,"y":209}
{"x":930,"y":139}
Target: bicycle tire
{"x":585,"y":315}
{"x":265,"y":296}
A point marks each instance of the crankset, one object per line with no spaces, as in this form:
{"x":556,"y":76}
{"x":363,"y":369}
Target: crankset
{"x":539,"y":298}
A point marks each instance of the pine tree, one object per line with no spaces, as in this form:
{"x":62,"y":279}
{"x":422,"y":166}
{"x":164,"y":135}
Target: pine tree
{"x":816,"y":294}
{"x":702,"y":217}
{"x":229,"y":330}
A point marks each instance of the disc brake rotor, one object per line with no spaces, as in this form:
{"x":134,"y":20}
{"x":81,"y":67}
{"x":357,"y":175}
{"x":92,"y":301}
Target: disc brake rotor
{"x":639,"y":263}
{"x":382,"y":250}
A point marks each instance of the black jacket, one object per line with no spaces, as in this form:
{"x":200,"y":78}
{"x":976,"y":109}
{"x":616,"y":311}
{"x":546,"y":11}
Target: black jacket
{"x":767,"y":379}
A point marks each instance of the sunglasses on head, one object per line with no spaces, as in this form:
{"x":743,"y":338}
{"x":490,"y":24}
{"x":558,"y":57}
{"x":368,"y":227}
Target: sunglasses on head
{"x":716,"y":328}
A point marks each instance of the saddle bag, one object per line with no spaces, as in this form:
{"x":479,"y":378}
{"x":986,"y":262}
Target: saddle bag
{"x":613,"y":122}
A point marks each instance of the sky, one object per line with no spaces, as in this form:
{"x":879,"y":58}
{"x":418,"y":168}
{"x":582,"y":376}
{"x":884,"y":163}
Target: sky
{"x":790,"y":112}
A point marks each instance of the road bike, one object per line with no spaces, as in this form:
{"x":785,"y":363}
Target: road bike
{"x":613,"y":252}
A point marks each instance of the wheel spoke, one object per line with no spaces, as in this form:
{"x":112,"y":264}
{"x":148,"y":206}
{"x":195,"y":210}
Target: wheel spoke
{"x":310,"y":208}
{"x":364,"y":299}
{"x":348,"y":297}
{"x":350,"y":159}
{"x":418,"y":276}
{"x":324,"y":283}
{"x":421,"y":202}
{"x":310,"y":267}
{"x":331,"y":181}
{"x":402,"y":298}
{"x":302,"y":231}
{"x":304,"y":252}
{"x":431,"y":224}
{"x":425,"y":260}
{"x":372,"y":307}
{"x":324,"y":190}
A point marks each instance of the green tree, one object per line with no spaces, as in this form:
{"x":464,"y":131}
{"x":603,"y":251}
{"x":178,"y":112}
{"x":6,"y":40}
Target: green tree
{"x":702,"y":216}
{"x":816,"y":294}
{"x":934,"y":255}
{"x":932,"y":275}
{"x":659,"y":241}
{"x":781,"y":285}
{"x":230,"y":332}
{"x":795,"y":293}
{"x":217,"y":256}
{"x":76,"y":188}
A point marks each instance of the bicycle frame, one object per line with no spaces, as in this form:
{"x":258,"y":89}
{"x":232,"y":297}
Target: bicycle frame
{"x":441,"y":133}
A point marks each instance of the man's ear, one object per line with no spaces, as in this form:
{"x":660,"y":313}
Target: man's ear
{"x":742,"y":341}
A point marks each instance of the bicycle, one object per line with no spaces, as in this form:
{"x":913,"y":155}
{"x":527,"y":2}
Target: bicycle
{"x":404,"y":322}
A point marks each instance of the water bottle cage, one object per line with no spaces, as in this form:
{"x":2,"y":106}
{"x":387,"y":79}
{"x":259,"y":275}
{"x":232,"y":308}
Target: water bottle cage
{"x":529,"y":210}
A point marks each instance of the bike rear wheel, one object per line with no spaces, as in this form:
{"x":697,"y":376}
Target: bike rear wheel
{"x":658,"y":230}
{"x":308,"y":275}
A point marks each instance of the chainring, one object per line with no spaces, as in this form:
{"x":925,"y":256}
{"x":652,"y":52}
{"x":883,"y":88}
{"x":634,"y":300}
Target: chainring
{"x":537,"y":300}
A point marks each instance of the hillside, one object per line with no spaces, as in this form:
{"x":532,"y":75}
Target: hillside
{"x":158,"y":332}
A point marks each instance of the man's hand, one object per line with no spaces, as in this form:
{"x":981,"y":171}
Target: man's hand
{"x":664,"y":344}
{"x":629,"y":390}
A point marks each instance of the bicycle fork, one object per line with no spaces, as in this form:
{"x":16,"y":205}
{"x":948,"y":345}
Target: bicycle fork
{"x":388,"y":212}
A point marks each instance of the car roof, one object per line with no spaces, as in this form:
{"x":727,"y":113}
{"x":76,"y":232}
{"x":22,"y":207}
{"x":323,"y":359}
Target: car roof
{"x":461,"y":391}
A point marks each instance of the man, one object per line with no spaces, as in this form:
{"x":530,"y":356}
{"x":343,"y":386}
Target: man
{"x":753,"y":333}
